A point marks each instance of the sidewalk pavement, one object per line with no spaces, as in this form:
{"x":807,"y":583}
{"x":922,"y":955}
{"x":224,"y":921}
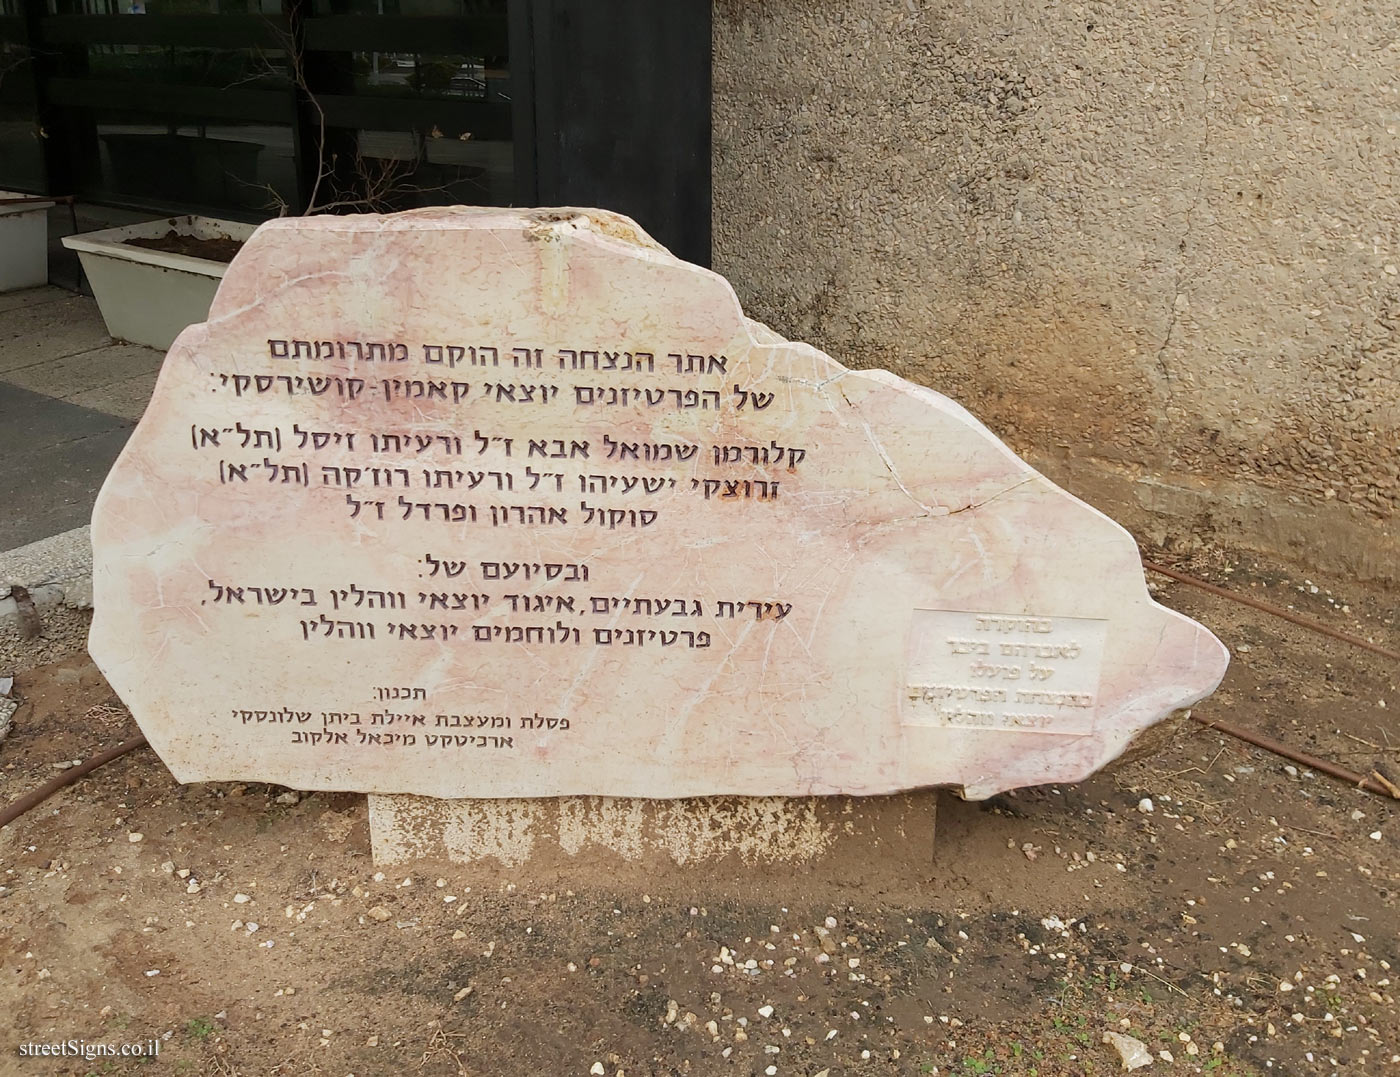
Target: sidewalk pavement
{"x":69,"y":398}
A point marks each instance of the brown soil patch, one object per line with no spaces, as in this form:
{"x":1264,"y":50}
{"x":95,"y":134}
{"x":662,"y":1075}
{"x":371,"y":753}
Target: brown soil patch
{"x":219,"y":249}
{"x":1250,"y":918}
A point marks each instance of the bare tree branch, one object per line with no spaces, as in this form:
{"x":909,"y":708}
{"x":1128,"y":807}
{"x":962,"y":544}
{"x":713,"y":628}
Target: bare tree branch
{"x":378,"y":182}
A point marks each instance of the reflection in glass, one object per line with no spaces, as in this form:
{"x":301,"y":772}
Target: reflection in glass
{"x":399,"y":128}
{"x":228,"y":166}
{"x":406,"y":169}
{"x":164,"y":7}
{"x":246,"y":69}
{"x":21,"y":156}
{"x":476,"y":8}
{"x":468,"y":78}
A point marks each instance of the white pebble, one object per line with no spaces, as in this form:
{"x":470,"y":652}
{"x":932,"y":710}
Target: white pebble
{"x":1146,"y":806}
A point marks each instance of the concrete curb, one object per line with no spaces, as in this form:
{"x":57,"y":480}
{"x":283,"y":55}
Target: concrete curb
{"x":56,"y":571}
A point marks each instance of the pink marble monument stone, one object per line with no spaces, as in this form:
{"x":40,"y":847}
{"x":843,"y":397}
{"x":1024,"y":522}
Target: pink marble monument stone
{"x":512,"y":503}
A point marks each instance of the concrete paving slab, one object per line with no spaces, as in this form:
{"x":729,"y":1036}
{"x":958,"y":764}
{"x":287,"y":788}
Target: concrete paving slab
{"x":49,"y":330}
{"x":30,"y":297}
{"x":33,"y":423}
{"x":90,"y":370}
{"x":127,"y":398}
{"x":55,"y":457}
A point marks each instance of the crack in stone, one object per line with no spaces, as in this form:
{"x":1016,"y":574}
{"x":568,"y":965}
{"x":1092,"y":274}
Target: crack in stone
{"x":930,"y":511}
{"x":992,"y":497}
{"x":273,"y":290}
{"x":884,"y":457}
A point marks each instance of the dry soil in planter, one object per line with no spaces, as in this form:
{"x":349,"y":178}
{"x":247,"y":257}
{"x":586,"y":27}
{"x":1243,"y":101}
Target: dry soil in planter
{"x":219,"y":249}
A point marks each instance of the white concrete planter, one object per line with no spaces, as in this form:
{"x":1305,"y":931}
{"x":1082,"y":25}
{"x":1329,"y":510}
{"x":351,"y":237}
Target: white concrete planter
{"x":24,"y":244}
{"x":147,"y":296}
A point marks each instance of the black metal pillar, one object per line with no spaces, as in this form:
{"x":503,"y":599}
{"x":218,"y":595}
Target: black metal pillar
{"x":621,"y":111}
{"x":69,"y":142}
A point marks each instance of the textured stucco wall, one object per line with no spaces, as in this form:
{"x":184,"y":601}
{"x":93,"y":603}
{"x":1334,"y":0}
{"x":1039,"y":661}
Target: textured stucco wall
{"x":1151,"y":243}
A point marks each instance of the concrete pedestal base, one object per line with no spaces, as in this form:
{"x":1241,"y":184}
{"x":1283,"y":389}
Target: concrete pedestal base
{"x":641,"y":837}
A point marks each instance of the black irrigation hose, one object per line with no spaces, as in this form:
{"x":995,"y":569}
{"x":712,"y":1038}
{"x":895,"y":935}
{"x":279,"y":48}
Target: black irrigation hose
{"x":1287,"y":615}
{"x":1375,"y":782}
{"x":1372,"y":784}
{"x":68,"y":777}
